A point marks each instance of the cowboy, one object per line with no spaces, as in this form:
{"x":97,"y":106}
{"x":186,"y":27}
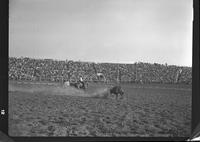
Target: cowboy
{"x":81,"y":81}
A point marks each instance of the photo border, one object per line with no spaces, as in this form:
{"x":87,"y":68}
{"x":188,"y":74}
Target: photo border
{"x":4,"y":14}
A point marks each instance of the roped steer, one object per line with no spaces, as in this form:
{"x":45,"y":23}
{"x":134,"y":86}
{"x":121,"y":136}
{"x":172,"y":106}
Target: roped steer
{"x":117,"y":90}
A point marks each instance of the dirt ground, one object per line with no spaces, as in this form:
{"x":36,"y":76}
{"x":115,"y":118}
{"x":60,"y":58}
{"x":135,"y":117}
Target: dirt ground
{"x":51,"y":110}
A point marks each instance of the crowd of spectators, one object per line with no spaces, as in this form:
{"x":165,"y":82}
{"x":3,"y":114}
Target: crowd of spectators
{"x":54,"y":70}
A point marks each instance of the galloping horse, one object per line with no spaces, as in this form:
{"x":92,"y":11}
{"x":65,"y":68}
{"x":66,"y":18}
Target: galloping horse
{"x":78,"y":85}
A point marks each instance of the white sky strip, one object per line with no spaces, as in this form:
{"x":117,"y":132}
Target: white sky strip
{"x":120,"y":31}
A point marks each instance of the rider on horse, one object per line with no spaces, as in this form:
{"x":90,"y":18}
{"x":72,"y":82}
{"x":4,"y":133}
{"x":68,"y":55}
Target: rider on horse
{"x":82,"y":82}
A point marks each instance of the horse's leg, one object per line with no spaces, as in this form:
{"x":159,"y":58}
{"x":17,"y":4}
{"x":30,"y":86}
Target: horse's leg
{"x":121,"y":96}
{"x":116,"y":96}
{"x":78,"y":86}
{"x":75,"y":85}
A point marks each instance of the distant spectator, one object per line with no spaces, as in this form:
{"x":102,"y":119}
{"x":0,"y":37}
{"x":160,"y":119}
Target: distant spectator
{"x":53,"y":70}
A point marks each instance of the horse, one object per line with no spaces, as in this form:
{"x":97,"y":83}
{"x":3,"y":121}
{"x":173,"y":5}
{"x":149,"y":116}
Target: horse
{"x":78,"y":85}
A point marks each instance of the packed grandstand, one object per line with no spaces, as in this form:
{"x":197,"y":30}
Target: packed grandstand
{"x":24,"y":68}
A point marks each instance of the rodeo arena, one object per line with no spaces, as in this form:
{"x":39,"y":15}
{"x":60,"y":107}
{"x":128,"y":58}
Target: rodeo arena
{"x":114,"y":97}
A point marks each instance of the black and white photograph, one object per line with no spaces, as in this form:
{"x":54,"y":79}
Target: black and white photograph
{"x":100,"y":68}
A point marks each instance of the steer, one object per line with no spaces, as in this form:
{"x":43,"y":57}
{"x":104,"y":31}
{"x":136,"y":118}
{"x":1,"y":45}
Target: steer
{"x":117,"y":90}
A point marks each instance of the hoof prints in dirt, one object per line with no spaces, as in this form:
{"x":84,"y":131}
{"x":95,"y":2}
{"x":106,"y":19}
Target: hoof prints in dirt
{"x":147,"y":113}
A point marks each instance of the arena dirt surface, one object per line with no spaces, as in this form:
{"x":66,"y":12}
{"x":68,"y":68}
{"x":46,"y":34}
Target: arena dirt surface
{"x":147,"y":110}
